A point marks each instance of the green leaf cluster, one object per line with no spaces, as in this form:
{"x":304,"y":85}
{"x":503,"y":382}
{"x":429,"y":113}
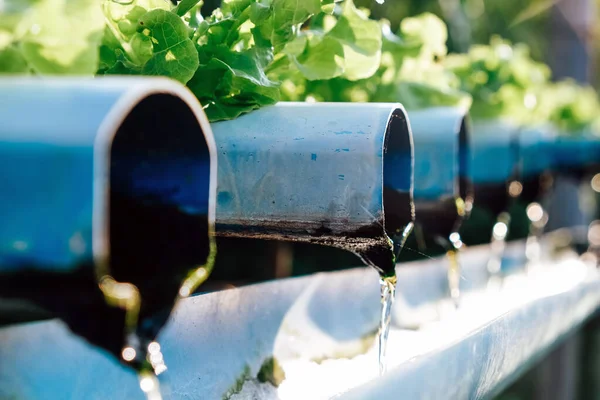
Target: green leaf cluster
{"x":50,"y":36}
{"x":505,"y":82}
{"x":407,"y":68}
{"x":252,"y":53}
{"x":232,"y":60}
{"x":574,"y":109}
{"x":501,"y":78}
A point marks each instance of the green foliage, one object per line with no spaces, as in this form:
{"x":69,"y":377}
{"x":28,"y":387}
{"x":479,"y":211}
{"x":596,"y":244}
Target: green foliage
{"x":409,"y":69}
{"x":572,"y":108}
{"x":223,"y":59}
{"x":506,"y":82}
{"x":252,"y":53}
{"x":501,"y":78}
{"x":50,"y":36}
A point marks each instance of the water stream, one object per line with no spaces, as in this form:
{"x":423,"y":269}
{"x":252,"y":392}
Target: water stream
{"x":150,"y":385}
{"x":388,"y":294}
{"x":454,"y":267}
{"x":497,"y":245}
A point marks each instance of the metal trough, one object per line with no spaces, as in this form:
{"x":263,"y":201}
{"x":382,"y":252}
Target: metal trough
{"x":334,"y":174}
{"x":107,"y":197}
{"x":320,"y":331}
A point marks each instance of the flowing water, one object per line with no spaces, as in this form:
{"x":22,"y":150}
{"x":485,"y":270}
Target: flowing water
{"x":538,"y":218}
{"x":144,"y":353}
{"x":127,"y":297}
{"x":454,"y":267}
{"x":388,"y":289}
{"x":150,"y":386}
{"x":497,"y":245}
{"x":388,"y":294}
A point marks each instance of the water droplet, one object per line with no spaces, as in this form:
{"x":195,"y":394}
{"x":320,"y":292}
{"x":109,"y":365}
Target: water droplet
{"x":150,"y":386}
{"x":128,"y":353}
{"x":154,"y":348}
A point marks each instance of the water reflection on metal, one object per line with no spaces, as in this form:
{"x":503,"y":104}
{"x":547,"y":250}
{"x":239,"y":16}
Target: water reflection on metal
{"x":321,"y":329}
{"x":515,"y":188}
{"x":128,"y":354}
{"x":156,"y":358}
{"x":482,"y":328}
{"x":497,"y":246}
{"x":150,"y":386}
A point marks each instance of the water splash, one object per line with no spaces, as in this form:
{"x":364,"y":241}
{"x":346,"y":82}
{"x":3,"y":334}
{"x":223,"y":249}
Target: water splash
{"x":388,"y":294}
{"x":497,"y":245}
{"x":538,"y":218}
{"x":127,"y":297}
{"x":150,"y":385}
{"x":400,"y":240}
{"x":454,"y":267}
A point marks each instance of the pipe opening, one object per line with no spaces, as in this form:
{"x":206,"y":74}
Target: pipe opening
{"x":398,"y":206}
{"x":438,"y":218}
{"x":158,"y":202}
{"x":440,"y":214}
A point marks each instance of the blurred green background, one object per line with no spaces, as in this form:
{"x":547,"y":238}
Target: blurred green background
{"x":534,"y":22}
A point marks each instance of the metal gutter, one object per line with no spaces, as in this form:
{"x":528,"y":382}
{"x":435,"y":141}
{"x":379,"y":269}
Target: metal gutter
{"x":218,"y":339}
{"x":479,"y":362}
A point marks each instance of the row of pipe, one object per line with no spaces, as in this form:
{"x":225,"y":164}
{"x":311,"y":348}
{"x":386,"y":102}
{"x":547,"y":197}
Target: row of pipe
{"x":114,"y":188}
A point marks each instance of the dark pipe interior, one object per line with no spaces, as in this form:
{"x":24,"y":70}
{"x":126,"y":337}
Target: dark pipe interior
{"x":158,"y":230}
{"x":436,"y":220}
{"x":158,"y":203}
{"x":398,"y":203}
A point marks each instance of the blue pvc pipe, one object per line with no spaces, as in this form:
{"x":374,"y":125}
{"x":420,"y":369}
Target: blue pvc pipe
{"x":533,"y":153}
{"x":494,"y":152}
{"x":436,"y":134}
{"x":442,"y":176}
{"x":316,"y":173}
{"x":105,"y":176}
{"x":575,"y":152}
{"x":56,"y":137}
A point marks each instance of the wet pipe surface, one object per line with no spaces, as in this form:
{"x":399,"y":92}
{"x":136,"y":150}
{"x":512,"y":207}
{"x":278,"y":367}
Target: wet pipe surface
{"x":153,"y":247}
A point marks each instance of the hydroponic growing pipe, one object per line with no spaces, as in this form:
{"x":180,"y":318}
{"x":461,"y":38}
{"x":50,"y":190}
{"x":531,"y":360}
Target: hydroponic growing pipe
{"x":493,"y":168}
{"x":107,"y":199}
{"x":575,"y":159}
{"x":531,"y":186}
{"x":334,"y":174}
{"x":443,"y":192}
